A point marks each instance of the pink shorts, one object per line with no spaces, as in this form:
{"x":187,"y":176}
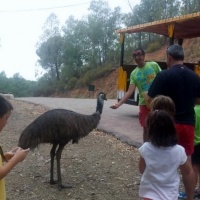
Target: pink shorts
{"x":186,"y":137}
{"x":143,"y":113}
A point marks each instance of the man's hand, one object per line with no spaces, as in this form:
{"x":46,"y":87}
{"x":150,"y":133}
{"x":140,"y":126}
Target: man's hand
{"x":115,"y":105}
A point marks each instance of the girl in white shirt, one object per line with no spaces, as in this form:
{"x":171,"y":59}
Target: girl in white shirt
{"x":160,"y":159}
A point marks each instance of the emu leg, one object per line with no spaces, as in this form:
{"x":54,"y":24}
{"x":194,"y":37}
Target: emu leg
{"x":52,"y":154}
{"x":58,"y":157}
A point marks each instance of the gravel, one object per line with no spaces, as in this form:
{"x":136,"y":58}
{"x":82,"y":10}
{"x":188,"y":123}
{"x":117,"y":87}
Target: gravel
{"x":100,"y":167}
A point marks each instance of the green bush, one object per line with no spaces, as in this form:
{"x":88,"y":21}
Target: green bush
{"x":72,"y":83}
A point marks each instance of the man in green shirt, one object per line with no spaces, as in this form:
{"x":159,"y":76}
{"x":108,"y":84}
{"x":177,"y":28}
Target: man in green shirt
{"x":141,"y":77}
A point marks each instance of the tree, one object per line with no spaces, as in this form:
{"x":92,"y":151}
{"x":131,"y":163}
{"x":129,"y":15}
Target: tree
{"x":3,"y":82}
{"x":102,"y":22}
{"x":190,"y":6}
{"x":51,"y":28}
{"x":76,"y":45}
{"x":49,"y":48}
{"x":50,"y":53}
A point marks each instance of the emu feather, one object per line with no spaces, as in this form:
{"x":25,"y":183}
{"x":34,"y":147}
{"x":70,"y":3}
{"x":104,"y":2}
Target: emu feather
{"x":58,"y":127}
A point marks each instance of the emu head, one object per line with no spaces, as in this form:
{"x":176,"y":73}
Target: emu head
{"x":100,"y":101}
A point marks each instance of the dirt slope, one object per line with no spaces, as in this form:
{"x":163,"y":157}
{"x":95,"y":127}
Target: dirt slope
{"x":107,"y":84}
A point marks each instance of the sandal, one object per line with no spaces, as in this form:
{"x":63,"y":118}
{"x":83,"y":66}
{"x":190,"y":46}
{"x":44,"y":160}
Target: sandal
{"x":182,"y":195}
{"x":196,"y":194}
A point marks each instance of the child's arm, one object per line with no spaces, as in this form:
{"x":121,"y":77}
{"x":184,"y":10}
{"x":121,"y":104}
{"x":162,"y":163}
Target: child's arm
{"x":142,"y":165}
{"x":8,"y":166}
{"x":188,"y":179}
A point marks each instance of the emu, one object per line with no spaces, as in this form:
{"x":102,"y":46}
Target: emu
{"x":58,"y":127}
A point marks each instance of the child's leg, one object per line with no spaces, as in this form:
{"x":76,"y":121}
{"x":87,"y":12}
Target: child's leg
{"x":196,"y":172}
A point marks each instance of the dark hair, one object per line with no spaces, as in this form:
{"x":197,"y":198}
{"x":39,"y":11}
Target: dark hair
{"x":161,"y":130}
{"x":162,"y":102}
{"x":5,"y":106}
{"x":140,"y":49}
{"x":176,"y":52}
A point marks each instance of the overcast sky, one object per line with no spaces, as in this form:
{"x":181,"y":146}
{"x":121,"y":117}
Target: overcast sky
{"x":21,"y":23}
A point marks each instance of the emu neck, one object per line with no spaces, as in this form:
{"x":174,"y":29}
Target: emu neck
{"x":99,"y":105}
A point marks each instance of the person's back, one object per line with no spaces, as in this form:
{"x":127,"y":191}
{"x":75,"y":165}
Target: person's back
{"x":180,"y":83}
{"x":161,"y":157}
{"x":160,"y":179}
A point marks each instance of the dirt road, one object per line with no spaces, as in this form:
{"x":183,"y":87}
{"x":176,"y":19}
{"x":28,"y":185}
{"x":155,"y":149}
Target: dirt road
{"x":100,"y":167}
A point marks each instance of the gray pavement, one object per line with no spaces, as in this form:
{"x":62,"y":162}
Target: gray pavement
{"x":122,"y":123}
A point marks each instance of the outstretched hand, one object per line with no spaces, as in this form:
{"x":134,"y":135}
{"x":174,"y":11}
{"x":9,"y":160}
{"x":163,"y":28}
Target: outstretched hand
{"x":115,"y":106}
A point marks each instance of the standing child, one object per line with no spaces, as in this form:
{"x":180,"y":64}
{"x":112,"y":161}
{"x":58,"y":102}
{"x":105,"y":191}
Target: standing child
{"x":196,"y":155}
{"x":163,"y":102}
{"x":13,"y":157}
{"x":160,"y":159}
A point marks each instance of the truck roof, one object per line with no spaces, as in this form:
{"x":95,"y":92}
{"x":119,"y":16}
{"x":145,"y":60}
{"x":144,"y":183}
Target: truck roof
{"x":185,"y":26}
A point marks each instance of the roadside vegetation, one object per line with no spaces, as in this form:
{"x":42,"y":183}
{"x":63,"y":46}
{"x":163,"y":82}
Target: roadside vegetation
{"x":74,"y":54}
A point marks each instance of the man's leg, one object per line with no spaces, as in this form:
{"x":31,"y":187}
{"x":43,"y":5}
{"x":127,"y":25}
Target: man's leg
{"x":186,"y":139}
{"x":143,"y":113}
{"x":195,"y":158}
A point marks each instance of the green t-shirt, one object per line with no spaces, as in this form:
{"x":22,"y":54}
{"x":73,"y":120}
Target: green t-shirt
{"x":143,"y":77}
{"x":197,"y":125}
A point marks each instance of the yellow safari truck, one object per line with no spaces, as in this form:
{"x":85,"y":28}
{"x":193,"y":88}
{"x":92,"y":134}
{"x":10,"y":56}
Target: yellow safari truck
{"x":176,"y":29}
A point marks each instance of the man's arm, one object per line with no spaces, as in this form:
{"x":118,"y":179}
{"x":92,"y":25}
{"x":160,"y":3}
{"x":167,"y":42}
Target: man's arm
{"x":127,"y":95}
{"x":142,"y":165}
{"x":197,"y":101}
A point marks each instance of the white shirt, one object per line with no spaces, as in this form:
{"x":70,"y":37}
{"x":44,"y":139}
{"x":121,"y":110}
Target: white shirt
{"x":160,"y":180}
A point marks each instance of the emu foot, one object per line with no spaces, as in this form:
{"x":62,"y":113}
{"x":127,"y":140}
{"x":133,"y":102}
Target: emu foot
{"x":61,"y":186}
{"x":52,"y":182}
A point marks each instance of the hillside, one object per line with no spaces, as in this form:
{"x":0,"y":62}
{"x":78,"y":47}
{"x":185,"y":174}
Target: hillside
{"x":108,"y":83}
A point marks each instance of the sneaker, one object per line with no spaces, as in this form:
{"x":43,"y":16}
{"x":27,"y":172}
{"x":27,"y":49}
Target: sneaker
{"x":182,"y":195}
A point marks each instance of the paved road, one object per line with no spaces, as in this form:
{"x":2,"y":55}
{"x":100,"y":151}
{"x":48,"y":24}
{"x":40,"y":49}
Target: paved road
{"x":122,"y":122}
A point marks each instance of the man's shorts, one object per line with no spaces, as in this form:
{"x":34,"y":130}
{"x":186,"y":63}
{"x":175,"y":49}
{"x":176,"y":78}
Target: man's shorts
{"x":196,"y":155}
{"x":186,"y":137}
{"x":143,"y":113}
